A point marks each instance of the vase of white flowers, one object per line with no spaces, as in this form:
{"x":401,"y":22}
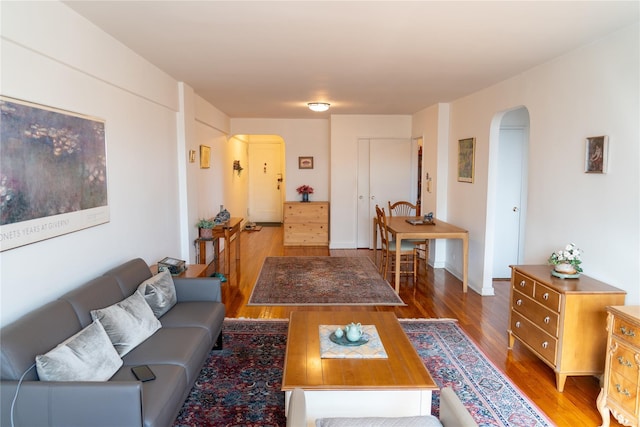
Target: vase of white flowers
{"x":566,"y":262}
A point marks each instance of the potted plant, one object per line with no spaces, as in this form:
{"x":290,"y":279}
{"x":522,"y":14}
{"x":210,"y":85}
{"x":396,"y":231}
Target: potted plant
{"x":205,"y":227}
{"x":566,"y":262}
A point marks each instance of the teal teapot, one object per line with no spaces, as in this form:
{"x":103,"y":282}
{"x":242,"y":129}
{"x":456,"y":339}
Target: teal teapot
{"x":353,"y":331}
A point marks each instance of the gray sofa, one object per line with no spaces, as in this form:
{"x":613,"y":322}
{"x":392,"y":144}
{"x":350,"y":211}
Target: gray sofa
{"x":175,"y":353}
{"x":452,"y":414}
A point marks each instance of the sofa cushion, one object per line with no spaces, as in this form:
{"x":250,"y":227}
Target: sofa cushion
{"x":186,"y":347}
{"x":163,"y":397}
{"x":85,"y":356}
{"x":97,"y":293}
{"x":128,"y":322}
{"x":203,"y":314}
{"x":418,"y":421}
{"x":159,"y":292}
{"x":35,"y":333}
{"x":130,"y":274}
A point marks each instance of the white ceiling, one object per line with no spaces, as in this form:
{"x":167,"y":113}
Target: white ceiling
{"x":269,"y":58}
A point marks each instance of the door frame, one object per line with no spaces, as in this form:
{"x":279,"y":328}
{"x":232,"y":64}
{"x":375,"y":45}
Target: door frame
{"x":364,"y":201}
{"x":492,"y":187}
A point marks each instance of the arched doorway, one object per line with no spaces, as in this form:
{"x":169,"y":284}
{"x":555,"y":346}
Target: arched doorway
{"x":506,"y":193}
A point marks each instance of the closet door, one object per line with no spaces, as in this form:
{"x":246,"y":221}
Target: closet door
{"x":387,"y":170}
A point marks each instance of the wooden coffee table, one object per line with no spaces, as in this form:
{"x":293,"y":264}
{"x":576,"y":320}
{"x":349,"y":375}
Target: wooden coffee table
{"x":399,"y":385}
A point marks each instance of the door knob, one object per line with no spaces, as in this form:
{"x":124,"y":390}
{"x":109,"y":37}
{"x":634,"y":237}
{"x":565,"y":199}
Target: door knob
{"x":515,"y":209}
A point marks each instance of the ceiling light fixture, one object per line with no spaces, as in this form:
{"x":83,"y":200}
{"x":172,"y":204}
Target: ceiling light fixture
{"x":318,"y":106}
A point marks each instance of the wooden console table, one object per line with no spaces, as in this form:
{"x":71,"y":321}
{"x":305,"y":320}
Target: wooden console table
{"x":225,"y":231}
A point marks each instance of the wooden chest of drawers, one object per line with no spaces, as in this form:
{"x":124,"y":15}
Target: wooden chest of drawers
{"x":561,"y":321}
{"x":306,"y":223}
{"x":620,"y":394}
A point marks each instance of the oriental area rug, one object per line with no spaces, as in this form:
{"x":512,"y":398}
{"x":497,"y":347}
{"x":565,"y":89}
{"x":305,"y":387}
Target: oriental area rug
{"x":240,"y":385}
{"x":321,"y":280}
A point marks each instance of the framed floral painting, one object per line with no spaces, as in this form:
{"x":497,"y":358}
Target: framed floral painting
{"x":466,"y":159}
{"x":53,"y":172}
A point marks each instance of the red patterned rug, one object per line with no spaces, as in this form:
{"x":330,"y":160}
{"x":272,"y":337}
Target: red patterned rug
{"x":321,"y":280}
{"x":240,"y":385}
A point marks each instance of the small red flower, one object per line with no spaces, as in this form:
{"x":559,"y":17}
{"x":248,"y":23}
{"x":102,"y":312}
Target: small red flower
{"x":305,"y":189}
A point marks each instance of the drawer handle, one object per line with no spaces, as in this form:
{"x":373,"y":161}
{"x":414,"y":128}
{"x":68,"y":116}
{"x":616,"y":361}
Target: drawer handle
{"x":547,"y":320}
{"x":545,"y":296}
{"x":624,"y":362}
{"x":620,"y":390}
{"x":522,"y":283}
{"x":627,"y":332}
{"x":518,"y":324}
{"x":545,"y":345}
{"x":519,"y":302}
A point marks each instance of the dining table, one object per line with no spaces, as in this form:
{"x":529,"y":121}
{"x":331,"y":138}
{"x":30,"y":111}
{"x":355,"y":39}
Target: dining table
{"x":401,"y":229}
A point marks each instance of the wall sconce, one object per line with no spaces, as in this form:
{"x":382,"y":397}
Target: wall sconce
{"x":237,"y":167}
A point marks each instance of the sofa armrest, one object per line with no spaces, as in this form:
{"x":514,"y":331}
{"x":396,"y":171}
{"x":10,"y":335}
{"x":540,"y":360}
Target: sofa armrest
{"x":452,"y":411}
{"x":297,"y":410}
{"x":198,"y":289}
{"x":51,"y":404}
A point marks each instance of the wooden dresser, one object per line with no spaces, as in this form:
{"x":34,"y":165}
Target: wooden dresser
{"x":561,"y":320}
{"x":620,"y":393}
{"x":306,"y":224}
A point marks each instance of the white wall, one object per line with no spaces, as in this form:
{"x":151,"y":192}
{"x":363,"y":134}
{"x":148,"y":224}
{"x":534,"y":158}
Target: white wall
{"x":432,"y":124}
{"x":53,"y":57}
{"x":345,"y":132}
{"x":302,"y":137}
{"x":588,"y":92}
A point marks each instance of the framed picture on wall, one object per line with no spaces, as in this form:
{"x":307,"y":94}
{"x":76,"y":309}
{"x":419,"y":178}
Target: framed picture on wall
{"x":305,"y":162}
{"x":466,"y":159}
{"x":205,"y":157}
{"x":54,"y":172}
{"x":596,"y":151}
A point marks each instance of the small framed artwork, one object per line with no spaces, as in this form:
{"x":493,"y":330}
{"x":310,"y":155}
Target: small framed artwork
{"x":596,"y":150}
{"x":305,"y":162}
{"x":466,"y":159}
{"x":205,"y":157}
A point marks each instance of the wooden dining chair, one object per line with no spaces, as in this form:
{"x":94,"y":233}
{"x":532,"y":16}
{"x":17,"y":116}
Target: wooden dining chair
{"x":408,"y":254}
{"x":404,"y":208}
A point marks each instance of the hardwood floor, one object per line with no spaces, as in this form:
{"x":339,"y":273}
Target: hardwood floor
{"x":439,"y":294}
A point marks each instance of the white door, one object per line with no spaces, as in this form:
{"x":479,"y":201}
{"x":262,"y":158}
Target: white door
{"x":265,"y":189}
{"x":386,"y":172}
{"x":511,"y":166}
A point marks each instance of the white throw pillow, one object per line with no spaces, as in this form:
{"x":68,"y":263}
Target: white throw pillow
{"x":86,"y":356}
{"x":128,"y":322}
{"x":159,"y":292}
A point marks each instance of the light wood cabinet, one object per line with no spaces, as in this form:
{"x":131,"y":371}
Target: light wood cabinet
{"x":620,"y":394}
{"x":306,"y":223}
{"x":561,"y":320}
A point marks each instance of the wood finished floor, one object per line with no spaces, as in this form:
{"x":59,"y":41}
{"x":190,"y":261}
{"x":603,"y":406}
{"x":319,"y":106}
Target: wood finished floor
{"x":439,"y":295}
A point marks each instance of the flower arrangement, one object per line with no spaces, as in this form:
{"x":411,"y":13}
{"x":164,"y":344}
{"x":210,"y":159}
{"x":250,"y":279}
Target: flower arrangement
{"x":305,"y":189}
{"x":569,"y":255}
